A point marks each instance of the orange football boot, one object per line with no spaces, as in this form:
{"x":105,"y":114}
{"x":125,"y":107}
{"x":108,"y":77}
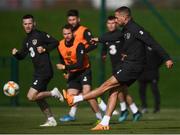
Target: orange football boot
{"x":69,"y":98}
{"x":100,"y":127}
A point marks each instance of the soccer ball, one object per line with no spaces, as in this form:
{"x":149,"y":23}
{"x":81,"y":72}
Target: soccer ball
{"x":11,"y":89}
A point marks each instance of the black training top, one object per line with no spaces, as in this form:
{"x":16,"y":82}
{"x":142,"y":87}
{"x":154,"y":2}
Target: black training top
{"x":135,"y":43}
{"x":112,"y":43}
{"x":41,"y":62}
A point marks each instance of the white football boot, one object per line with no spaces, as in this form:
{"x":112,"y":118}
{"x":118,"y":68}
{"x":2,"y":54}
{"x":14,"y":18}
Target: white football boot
{"x":57,"y":94}
{"x":49,"y":123}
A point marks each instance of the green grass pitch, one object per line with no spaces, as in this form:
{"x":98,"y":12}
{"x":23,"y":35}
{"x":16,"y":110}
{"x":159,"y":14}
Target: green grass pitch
{"x":27,"y":120}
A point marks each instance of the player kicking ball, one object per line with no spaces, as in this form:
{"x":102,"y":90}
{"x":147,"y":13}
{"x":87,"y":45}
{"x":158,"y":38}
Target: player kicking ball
{"x":38,"y":45}
{"x":133,"y":61}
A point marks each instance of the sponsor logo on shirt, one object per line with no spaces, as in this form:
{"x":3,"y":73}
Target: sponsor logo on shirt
{"x":85,"y":79}
{"x":35,"y":82}
{"x":119,"y":71}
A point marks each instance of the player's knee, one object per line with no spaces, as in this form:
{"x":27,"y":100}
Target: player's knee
{"x":85,"y":91}
{"x":31,"y":98}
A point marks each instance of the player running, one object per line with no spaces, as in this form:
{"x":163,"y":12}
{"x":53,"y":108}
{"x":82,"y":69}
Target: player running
{"x":38,"y":45}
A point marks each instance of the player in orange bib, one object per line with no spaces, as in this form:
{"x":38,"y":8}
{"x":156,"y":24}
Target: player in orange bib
{"x":74,"y":59}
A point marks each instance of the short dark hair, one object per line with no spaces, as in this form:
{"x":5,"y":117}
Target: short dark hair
{"x":125,"y":10}
{"x":73,"y":12}
{"x":27,"y":16}
{"x":67,"y":26}
{"x":111,"y":17}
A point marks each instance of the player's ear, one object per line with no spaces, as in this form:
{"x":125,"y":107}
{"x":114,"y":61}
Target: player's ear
{"x":79,"y":19}
{"x":34,"y":23}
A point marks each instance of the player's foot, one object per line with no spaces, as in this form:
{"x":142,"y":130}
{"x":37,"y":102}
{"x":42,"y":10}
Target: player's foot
{"x":115,"y":112}
{"x":67,"y":118}
{"x":137,"y":116}
{"x":100,"y":127}
{"x":144,"y":110}
{"x":123,"y":116}
{"x":69,"y":98}
{"x":57,"y":94}
{"x":49,"y":123}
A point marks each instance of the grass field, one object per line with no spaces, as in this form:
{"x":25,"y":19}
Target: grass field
{"x":27,"y":120}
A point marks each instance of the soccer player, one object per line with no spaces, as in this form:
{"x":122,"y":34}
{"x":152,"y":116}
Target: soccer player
{"x":82,"y":33}
{"x":133,"y":56}
{"x":38,"y":44}
{"x":74,"y":59}
{"x":113,"y":43}
{"x":150,"y":76}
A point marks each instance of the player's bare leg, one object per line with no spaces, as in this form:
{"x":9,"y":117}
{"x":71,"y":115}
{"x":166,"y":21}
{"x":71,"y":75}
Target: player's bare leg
{"x":132,"y":105}
{"x":122,"y":98}
{"x":34,"y":95}
{"x":43,"y":106}
{"x":72,"y":112}
{"x":110,"y":83}
{"x":93,"y":102}
{"x":104,"y":124}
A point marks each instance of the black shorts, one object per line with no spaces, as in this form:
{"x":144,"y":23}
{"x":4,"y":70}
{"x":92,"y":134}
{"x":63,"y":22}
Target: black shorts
{"x":77,"y":79}
{"x":127,"y":74}
{"x":40,"y":83}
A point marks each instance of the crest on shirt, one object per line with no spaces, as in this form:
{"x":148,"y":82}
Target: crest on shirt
{"x":106,"y":43}
{"x":127,"y":35}
{"x":34,"y":41}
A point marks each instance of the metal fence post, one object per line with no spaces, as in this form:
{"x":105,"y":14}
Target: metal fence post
{"x":14,"y":77}
{"x":102,"y":30}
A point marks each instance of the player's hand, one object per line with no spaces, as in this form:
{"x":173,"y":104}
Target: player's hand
{"x":94,"y":41}
{"x":66,"y":75}
{"x":60,"y":66}
{"x":169,"y":64}
{"x":40,"y":49}
{"x":123,"y":56}
{"x":14,"y":51}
